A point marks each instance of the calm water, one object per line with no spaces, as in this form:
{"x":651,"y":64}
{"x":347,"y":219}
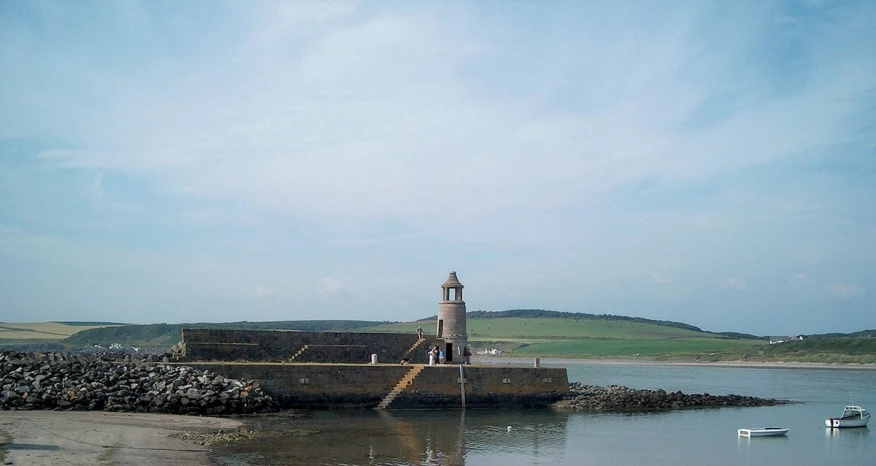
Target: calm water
{"x":693,"y":437}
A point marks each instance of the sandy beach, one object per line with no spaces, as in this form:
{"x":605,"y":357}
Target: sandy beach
{"x":528,"y":361}
{"x":40,"y":438}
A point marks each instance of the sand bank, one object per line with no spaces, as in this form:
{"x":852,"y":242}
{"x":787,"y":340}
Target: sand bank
{"x":517,"y":361}
{"x":92,"y":438}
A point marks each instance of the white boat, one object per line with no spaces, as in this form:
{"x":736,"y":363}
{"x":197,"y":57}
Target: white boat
{"x":853,"y":416}
{"x":763,"y":431}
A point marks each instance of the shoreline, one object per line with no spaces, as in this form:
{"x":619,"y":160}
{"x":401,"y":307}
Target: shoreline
{"x":528,"y":361}
{"x":49,"y":438}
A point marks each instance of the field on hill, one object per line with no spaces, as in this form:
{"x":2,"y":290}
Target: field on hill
{"x":630,"y":347}
{"x":581,"y":337}
{"x":839,"y":350}
{"x":550,"y":327}
{"x":46,"y":330}
{"x":166,"y":335}
{"x":555,"y":335}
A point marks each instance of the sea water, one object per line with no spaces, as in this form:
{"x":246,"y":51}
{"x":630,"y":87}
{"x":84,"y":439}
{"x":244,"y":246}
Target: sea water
{"x":524,"y":437}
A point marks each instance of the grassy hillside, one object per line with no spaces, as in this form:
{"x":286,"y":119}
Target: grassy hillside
{"x":630,"y":347}
{"x":538,"y":313}
{"x":862,"y":333}
{"x":550,"y":327}
{"x":530,"y":332}
{"x":91,"y":324}
{"x":46,"y":330}
{"x":166,"y":335}
{"x":562,"y":336}
{"x":542,"y":313}
{"x":840,"y":350}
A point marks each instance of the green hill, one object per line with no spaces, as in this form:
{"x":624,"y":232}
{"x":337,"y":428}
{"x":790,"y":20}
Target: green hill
{"x":166,"y":335}
{"x":542,"y":313}
{"x":521,"y":332}
{"x":553,"y":327}
{"x":48,"y":331}
{"x":862,"y":333}
{"x":827,"y":350}
{"x":557,"y":334}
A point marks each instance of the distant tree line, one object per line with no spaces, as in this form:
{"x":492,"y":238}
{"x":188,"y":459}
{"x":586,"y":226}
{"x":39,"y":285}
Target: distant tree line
{"x":844,"y":344}
{"x":862,"y":333}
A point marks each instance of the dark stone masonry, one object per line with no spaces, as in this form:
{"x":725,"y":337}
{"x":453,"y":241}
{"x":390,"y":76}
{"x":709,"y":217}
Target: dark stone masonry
{"x":617,"y":398}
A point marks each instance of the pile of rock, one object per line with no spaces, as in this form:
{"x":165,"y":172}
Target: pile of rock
{"x":109,"y":382}
{"x":617,"y":398}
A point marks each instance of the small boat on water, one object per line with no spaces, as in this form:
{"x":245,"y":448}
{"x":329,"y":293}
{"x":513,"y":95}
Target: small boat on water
{"x":763,"y":431}
{"x":853,"y":416}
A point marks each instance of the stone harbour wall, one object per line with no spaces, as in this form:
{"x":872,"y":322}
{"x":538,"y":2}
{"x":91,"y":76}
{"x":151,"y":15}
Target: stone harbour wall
{"x":364,"y":385}
{"x":283,"y":345}
{"x":485,"y":387}
{"x":316,"y":386}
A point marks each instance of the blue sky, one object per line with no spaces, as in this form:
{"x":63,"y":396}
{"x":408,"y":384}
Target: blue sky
{"x":706,"y":162}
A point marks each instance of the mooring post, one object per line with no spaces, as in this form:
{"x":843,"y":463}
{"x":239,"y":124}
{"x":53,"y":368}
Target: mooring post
{"x":462,"y":384}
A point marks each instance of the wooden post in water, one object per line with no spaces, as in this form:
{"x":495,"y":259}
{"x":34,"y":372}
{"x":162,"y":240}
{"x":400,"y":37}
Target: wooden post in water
{"x":462,"y":384}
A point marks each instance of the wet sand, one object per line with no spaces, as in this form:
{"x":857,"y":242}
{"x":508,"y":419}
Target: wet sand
{"x":528,"y":361}
{"x":97,"y":438}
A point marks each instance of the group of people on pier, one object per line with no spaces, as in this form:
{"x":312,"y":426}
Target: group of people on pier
{"x":437,"y":355}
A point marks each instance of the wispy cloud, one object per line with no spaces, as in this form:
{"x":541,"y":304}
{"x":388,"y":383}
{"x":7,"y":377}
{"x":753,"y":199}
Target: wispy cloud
{"x":274,"y":143}
{"x":844,"y":290}
{"x":301,"y":135}
{"x":329,"y":285}
{"x":262,"y":291}
{"x":660,"y":279}
{"x":734,"y":283}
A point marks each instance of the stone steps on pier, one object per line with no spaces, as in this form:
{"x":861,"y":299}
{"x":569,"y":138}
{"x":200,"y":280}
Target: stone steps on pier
{"x":402,"y":384}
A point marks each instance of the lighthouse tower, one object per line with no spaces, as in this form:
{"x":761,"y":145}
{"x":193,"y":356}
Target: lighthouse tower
{"x":451,"y":318}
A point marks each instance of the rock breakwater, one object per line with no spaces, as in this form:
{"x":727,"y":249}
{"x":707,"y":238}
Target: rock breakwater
{"x":112,"y":382}
{"x":617,"y":398}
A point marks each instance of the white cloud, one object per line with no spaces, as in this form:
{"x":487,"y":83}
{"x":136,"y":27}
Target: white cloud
{"x":392,"y":138}
{"x":339,"y":124}
{"x":329,"y":285}
{"x":262,"y":291}
{"x":659,"y":279}
{"x":734,"y":283}
{"x":844,"y":290}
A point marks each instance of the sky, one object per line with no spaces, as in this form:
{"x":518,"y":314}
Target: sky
{"x":712,"y":163}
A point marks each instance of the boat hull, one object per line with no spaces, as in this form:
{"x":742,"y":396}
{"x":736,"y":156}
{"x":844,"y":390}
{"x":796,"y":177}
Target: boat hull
{"x":837,"y":423}
{"x":763,"y":432}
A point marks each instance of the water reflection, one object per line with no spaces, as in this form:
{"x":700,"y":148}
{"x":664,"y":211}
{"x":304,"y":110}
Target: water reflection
{"x":846,"y":439}
{"x":400,"y":438}
{"x":850,"y":433}
{"x":676,"y":438}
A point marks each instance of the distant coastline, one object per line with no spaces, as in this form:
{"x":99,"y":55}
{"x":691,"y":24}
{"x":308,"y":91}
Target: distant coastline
{"x":519,"y":360}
